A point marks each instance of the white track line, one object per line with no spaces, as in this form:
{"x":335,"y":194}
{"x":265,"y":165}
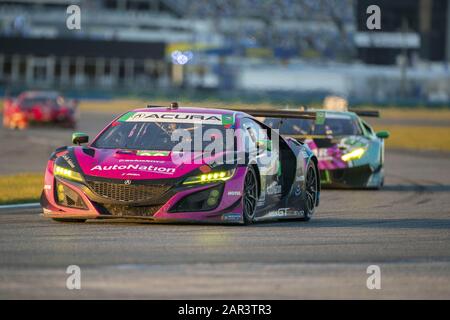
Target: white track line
{"x":33,"y":205}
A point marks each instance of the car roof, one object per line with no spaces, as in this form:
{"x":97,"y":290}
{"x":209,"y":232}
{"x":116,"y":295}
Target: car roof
{"x":35,"y":94}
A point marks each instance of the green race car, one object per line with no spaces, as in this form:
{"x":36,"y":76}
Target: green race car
{"x":349,"y":151}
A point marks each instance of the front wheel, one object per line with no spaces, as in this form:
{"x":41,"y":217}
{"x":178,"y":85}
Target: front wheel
{"x":250,"y":196}
{"x":311,"y":192}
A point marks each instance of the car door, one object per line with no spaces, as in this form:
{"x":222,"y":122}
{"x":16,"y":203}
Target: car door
{"x":266,"y":155}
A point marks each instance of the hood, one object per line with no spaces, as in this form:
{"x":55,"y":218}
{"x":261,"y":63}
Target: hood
{"x":329,"y":150}
{"x":137,"y":164}
{"x":42,"y":112}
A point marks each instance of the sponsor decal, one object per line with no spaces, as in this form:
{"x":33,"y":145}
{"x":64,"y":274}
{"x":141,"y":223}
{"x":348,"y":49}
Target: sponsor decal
{"x":274,"y":188}
{"x":69,"y":160}
{"x":172,"y":117}
{"x":281,"y":212}
{"x":127,"y":182}
{"x":231,"y":217}
{"x":285,"y":212}
{"x":131,"y":174}
{"x":354,"y":142}
{"x":47,"y":187}
{"x":139,"y":167}
{"x":142,"y":160}
{"x":322,"y":154}
{"x":227,"y":120}
{"x":234,"y":193}
{"x":152,"y":153}
{"x":305,"y":154}
{"x":320,"y":117}
{"x":300,"y":178}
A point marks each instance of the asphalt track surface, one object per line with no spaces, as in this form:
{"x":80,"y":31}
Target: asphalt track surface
{"x":404,"y":229}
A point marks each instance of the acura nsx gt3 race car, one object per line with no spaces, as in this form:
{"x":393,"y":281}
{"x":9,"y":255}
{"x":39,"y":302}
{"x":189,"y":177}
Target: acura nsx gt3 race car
{"x":132,"y":169}
{"x":39,"y":107}
{"x":349,"y":151}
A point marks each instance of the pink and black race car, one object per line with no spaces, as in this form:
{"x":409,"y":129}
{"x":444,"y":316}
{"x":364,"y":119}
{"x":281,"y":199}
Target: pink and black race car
{"x":184,"y":164}
{"x":39,"y":107}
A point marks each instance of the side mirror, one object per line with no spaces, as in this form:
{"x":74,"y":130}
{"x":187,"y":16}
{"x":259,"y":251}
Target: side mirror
{"x":383,"y":134}
{"x":79,"y":138}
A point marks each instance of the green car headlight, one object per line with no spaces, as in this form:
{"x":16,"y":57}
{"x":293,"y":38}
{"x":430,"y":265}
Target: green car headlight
{"x":354,"y":154}
{"x":215,"y":176}
{"x":67,"y":173}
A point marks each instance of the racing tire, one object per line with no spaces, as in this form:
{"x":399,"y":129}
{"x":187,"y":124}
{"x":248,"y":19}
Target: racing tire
{"x":250,"y":196}
{"x":381,"y":185}
{"x":69,"y":220}
{"x":311,"y":192}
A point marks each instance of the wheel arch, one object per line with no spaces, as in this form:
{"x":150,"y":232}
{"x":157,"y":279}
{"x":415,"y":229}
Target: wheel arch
{"x":258,"y":177}
{"x":316,"y":166}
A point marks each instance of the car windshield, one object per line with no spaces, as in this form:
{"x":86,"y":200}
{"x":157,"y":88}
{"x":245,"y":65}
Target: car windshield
{"x":333,"y":126}
{"x":30,"y":102}
{"x":157,"y":135}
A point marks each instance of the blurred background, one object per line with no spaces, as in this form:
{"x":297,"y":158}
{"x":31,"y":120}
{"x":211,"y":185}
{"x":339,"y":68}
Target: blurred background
{"x":282,"y":51}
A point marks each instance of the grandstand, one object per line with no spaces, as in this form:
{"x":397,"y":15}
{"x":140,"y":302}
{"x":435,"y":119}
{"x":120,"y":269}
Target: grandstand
{"x":245,"y":28}
{"x":231,"y":44}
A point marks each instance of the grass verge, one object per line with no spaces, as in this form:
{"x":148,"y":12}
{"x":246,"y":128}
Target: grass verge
{"x":21,"y":188}
{"x":424,"y":138}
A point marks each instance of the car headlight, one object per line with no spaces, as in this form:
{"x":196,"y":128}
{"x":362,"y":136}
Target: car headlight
{"x":67,"y":173}
{"x":354,"y":154}
{"x":215,"y":176}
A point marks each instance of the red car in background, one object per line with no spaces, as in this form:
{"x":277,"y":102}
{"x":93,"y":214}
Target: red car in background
{"x":39,"y":107}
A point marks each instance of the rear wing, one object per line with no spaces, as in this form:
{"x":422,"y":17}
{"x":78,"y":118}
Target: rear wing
{"x":303,"y":114}
{"x":366,"y":113}
{"x":286,"y":114}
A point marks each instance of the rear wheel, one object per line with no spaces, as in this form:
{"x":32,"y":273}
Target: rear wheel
{"x":69,"y":220}
{"x":250,"y":197}
{"x":311,"y":191}
{"x":381,"y":185}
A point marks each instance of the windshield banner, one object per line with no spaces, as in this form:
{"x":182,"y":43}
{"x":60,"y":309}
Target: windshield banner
{"x":174,"y":117}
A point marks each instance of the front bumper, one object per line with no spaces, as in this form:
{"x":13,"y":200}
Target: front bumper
{"x":161,"y":208}
{"x":355,"y":177}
